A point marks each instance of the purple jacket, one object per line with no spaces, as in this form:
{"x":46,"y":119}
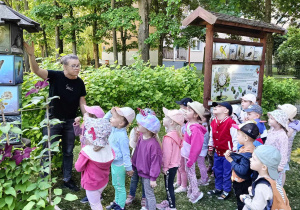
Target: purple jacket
{"x":79,"y":132}
{"x":147,"y":158}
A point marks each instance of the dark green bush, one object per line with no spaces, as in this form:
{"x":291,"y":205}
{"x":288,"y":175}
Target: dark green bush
{"x":277,"y":92}
{"x":134,"y":86}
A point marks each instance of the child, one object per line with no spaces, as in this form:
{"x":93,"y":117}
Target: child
{"x":254,"y":112}
{"x":133,"y":139}
{"x":192,"y":146}
{"x":183,"y":102}
{"x":95,"y":158}
{"x":181,"y":182}
{"x":294,"y":127}
{"x":247,"y":100}
{"x":277,"y":137}
{"x":236,"y":113}
{"x":265,"y":193}
{"x":147,"y":157}
{"x":118,"y":140}
{"x":172,"y":143}
{"x":222,"y":138}
{"x":204,"y":181}
{"x":240,"y":162}
{"x":91,"y":112}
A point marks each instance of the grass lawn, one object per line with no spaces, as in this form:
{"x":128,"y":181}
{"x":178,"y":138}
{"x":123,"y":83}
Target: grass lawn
{"x":292,"y":189}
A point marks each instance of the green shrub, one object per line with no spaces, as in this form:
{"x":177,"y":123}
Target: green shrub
{"x":277,"y":92}
{"x":134,"y":86}
{"x":139,"y":85}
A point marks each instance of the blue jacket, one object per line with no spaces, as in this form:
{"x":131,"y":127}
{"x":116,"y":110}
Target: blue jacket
{"x":119,"y":142}
{"x":241,"y":164}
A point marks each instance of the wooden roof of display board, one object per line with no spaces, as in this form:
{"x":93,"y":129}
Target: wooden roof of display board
{"x":216,"y":22}
{"x":230,"y":24}
{"x":8,"y":15}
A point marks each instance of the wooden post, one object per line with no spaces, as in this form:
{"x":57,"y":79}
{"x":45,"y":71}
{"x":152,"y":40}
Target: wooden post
{"x":208,"y":64}
{"x":261,"y":70}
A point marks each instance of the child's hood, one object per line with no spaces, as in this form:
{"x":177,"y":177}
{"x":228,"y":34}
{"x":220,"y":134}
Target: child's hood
{"x":102,"y":158}
{"x":295,"y":125}
{"x":175,"y":136}
{"x":201,"y":127}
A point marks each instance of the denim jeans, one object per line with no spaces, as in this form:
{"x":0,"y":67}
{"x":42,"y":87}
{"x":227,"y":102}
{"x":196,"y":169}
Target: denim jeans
{"x":134,"y":183}
{"x":66,"y":132}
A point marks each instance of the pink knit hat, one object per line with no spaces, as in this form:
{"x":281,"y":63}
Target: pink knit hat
{"x":96,"y":110}
{"x":175,"y":115}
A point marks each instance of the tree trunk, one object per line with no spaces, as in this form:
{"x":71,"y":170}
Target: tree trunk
{"x":58,"y":40}
{"x":18,"y":5}
{"x":114,"y":34}
{"x":143,"y":32}
{"x":95,"y":44}
{"x":269,"y":48}
{"x":25,"y":5}
{"x":161,"y":50}
{"x":73,"y":33}
{"x":42,"y":50}
{"x":123,"y":40}
{"x":45,"y":43}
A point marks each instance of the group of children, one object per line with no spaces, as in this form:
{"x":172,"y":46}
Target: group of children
{"x":243,"y":154}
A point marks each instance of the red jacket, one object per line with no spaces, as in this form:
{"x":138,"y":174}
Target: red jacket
{"x":222,"y":136}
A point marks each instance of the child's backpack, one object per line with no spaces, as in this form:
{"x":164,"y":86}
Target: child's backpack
{"x":278,"y":194}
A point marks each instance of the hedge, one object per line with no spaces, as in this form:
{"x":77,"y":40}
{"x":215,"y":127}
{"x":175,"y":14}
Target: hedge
{"x":139,"y":85}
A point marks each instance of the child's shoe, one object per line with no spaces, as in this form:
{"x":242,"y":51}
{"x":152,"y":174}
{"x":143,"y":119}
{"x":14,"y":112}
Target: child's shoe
{"x":144,"y":208}
{"x":175,"y":185}
{"x":180,"y":189}
{"x":129,"y":200}
{"x":84,"y":200}
{"x":215,"y":192}
{"x":111,"y":206}
{"x":163,"y":205}
{"x":168,"y":208}
{"x":196,"y":198}
{"x":203,"y":183}
{"x":143,"y":202}
{"x":118,"y":207}
{"x":224,"y":195}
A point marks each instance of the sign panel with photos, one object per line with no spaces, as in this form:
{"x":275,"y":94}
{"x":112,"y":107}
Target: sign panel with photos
{"x":226,"y":51}
{"x":230,"y":81}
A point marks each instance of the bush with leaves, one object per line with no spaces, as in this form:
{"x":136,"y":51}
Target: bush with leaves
{"x":137,"y":85}
{"x":277,"y":92}
{"x":24,"y":183}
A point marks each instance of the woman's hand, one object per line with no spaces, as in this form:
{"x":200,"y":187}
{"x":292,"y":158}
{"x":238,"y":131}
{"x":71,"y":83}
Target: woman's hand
{"x":29,"y":49}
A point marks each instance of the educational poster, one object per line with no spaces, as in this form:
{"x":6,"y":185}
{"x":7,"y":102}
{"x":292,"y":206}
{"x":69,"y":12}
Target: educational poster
{"x":11,"y":69}
{"x":240,"y":52}
{"x":232,"y":51}
{"x":221,"y":51}
{"x":249,"y":53}
{"x":4,"y":39}
{"x":11,"y":99}
{"x":16,"y":40}
{"x":231,"y":82}
{"x":258,"y":53}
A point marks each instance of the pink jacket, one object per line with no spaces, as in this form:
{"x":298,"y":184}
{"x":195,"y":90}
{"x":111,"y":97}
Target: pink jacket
{"x":172,"y":144}
{"x":194,"y":136}
{"x":94,"y":175}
